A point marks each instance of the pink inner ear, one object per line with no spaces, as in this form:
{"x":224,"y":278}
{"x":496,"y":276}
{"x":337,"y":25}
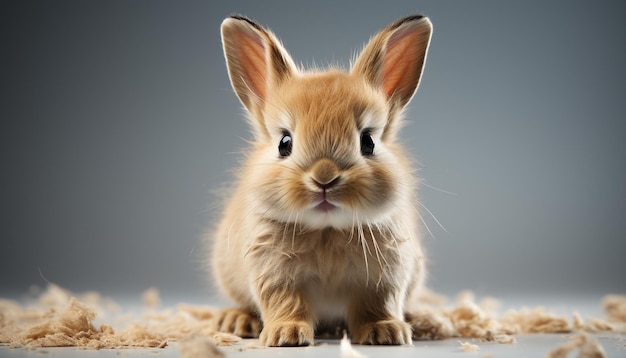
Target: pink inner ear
{"x":402,"y":64}
{"x":252,"y":62}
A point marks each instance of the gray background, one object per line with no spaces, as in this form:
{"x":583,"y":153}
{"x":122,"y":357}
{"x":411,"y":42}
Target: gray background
{"x":117,"y":124}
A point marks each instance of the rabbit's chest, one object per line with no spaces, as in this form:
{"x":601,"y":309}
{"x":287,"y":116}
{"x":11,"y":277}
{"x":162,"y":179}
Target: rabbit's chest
{"x":332,"y":261}
{"x":335,"y":261}
{"x":331,"y":257}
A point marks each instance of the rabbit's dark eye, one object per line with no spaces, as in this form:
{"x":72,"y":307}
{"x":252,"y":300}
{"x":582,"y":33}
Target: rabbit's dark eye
{"x":285,"y":145}
{"x":367,"y":144}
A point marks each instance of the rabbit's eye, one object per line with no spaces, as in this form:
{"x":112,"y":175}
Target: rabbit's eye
{"x":367,"y":144}
{"x":285,"y":145}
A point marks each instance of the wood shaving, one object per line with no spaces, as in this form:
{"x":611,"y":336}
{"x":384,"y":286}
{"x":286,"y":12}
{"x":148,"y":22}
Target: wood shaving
{"x":199,"y":346}
{"x":469,"y":347}
{"x":504,"y":339}
{"x":537,"y":320}
{"x":615,"y":308}
{"x":225,"y":339}
{"x":594,"y":325}
{"x":255,"y":345}
{"x":347,"y":351}
{"x":589,"y":348}
{"x":577,"y":321}
{"x":67,"y":328}
{"x":151,"y":298}
{"x":472,"y":322}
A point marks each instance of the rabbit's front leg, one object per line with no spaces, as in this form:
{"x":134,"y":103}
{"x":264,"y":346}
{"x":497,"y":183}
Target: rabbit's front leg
{"x":286,"y":314}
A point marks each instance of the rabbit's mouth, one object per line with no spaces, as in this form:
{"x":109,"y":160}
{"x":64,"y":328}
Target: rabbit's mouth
{"x":325,"y":206}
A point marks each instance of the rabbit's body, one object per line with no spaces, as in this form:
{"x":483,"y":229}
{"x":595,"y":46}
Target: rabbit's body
{"x":322,"y":225}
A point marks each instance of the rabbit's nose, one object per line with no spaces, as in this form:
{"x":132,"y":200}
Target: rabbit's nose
{"x":328,"y":185}
{"x":325,"y":174}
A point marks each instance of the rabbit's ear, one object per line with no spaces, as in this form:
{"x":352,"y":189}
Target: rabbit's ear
{"x":394,"y":58}
{"x":256,"y":61}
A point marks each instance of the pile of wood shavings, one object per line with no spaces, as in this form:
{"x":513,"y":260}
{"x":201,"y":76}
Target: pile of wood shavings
{"x":468,"y":319}
{"x":59,"y":318}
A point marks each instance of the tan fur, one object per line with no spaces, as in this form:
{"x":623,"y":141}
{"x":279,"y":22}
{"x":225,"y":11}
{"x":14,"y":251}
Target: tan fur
{"x":275,"y":252}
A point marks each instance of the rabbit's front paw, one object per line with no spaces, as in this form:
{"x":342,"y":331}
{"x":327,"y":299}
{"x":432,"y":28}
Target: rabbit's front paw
{"x":237,"y":321}
{"x":382,"y":332}
{"x":287,"y":334}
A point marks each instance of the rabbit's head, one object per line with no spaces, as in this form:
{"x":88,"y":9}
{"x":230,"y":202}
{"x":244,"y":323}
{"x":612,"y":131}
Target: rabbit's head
{"x":325,"y":150}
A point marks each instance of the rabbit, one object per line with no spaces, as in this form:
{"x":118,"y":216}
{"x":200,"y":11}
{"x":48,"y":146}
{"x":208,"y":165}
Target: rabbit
{"x":321,"y":226}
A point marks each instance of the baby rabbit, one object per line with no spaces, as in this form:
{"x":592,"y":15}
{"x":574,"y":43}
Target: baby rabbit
{"x":322,"y":225}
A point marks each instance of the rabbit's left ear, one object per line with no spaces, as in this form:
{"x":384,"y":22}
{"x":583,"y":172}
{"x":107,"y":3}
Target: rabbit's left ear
{"x":394,"y":58}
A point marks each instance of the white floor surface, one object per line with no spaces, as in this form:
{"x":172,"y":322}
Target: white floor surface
{"x":527,"y":346}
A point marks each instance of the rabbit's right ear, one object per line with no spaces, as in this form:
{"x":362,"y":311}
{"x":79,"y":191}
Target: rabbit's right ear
{"x":256,"y":61}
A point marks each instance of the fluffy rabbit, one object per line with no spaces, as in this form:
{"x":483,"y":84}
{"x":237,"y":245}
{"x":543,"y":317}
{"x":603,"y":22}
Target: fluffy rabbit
{"x":322,"y":227}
